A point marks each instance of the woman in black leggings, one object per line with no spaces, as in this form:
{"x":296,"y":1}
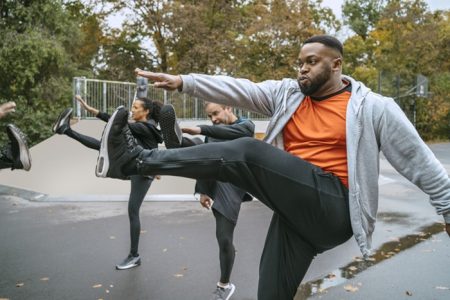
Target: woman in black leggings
{"x":145,"y":114}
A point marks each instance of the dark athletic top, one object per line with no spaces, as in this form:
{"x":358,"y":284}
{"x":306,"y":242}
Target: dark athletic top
{"x":146,"y":133}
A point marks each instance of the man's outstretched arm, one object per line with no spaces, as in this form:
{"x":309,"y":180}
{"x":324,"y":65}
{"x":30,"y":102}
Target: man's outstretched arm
{"x":162,"y":80}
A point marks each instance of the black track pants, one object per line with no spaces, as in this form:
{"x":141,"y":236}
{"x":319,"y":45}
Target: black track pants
{"x":310,"y":206}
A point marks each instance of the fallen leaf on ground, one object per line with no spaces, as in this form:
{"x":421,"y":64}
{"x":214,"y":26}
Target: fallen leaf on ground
{"x":427,"y":250}
{"x":96,"y":286}
{"x":351,"y":288}
{"x":20,"y":284}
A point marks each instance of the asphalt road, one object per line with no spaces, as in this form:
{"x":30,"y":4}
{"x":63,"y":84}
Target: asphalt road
{"x":68,"y":250}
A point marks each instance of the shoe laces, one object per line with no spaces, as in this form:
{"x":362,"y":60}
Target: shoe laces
{"x":23,"y":136}
{"x":129,"y":139}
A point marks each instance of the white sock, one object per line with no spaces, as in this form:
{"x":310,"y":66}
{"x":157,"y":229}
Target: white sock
{"x":224,"y":286}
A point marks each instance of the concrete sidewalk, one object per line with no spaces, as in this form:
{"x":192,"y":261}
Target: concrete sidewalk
{"x":421,"y":272}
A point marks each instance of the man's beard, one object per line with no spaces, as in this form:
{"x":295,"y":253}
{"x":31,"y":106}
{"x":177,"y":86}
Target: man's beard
{"x":316,"y":83}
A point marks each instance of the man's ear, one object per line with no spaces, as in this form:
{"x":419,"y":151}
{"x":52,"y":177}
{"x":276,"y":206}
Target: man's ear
{"x":337,"y":63}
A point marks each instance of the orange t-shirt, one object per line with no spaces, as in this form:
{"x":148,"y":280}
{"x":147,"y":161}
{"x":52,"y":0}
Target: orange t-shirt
{"x":316,"y":133}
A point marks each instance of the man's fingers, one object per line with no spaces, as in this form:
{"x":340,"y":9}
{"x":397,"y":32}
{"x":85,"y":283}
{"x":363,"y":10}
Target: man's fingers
{"x":147,"y":74}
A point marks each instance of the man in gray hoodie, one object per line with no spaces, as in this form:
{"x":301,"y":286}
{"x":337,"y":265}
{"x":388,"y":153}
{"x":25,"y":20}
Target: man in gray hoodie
{"x":320,"y":179}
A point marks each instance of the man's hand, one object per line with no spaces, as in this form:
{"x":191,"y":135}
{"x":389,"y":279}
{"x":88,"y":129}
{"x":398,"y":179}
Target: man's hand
{"x":162,"y":80}
{"x":7,"y":108}
{"x":205,"y":201}
{"x":447,"y":228}
{"x":191,"y":130}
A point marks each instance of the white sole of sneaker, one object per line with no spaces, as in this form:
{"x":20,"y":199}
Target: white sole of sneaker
{"x":101,"y":170}
{"x":59,"y":122}
{"x":24,"y":152}
{"x":128,"y":267}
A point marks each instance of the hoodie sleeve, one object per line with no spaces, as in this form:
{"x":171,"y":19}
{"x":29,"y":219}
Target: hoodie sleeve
{"x":258,"y":97}
{"x":411,"y":157}
{"x":103,"y":116}
{"x":229,"y":132}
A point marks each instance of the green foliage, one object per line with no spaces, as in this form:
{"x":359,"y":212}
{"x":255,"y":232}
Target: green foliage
{"x":46,"y":43}
{"x":362,"y":15}
{"x":37,"y":62}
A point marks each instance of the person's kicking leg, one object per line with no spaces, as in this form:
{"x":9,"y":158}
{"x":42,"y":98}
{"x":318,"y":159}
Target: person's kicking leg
{"x":170,"y":129}
{"x":311,"y":202}
{"x":63,"y":121}
{"x":15,"y":154}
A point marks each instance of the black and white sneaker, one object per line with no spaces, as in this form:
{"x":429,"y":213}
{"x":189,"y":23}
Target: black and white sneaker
{"x":223,"y":293}
{"x":171,"y":131}
{"x":118,"y":146}
{"x":129,"y":262}
{"x":63,"y":121}
{"x":20,"y":154}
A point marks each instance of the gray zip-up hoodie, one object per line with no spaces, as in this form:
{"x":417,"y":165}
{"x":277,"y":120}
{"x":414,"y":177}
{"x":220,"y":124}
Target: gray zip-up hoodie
{"x":373,"y":123}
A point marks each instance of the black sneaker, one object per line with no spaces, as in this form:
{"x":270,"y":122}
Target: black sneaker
{"x":19,"y":152}
{"x":63,"y":121}
{"x":223,"y":293}
{"x":171,"y":131}
{"x":118,"y":146}
{"x":6,"y":157}
{"x":129,"y":262}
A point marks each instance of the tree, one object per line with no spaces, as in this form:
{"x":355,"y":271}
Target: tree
{"x":37,"y":61}
{"x":362,"y":15}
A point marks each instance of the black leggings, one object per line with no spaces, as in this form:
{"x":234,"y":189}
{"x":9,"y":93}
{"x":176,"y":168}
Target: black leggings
{"x":224,"y":235}
{"x":311,"y":212}
{"x":139,"y":188}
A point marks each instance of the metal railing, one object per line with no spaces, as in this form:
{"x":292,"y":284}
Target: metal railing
{"x":108,"y":95}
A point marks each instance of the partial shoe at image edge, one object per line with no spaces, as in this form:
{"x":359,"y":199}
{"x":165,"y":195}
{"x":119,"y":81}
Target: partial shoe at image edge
{"x":18,"y":137}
